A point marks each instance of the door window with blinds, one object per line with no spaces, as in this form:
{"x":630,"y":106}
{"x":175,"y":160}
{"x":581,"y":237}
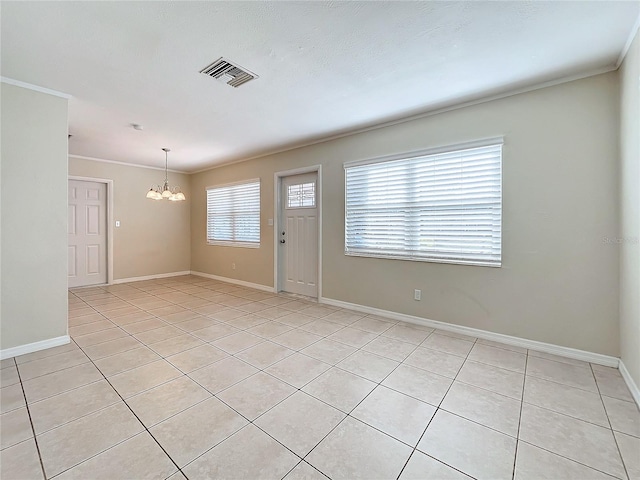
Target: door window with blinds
{"x":437,"y":206}
{"x":233,"y":214}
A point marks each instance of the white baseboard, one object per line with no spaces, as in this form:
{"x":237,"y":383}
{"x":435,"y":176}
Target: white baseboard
{"x":257,"y":286}
{"x":567,"y":352}
{"x":34,"y":347}
{"x":633,"y":388}
{"x":151,"y":277}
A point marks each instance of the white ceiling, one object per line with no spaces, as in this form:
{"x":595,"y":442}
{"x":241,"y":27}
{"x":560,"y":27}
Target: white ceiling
{"x":325,"y":67}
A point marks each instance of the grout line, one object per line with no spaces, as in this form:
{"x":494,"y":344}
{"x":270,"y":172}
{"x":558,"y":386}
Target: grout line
{"x":524,"y":384}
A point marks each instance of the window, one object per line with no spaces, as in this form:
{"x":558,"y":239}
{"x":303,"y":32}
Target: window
{"x":302,"y":195}
{"x":233,"y":214}
{"x":438,"y":206}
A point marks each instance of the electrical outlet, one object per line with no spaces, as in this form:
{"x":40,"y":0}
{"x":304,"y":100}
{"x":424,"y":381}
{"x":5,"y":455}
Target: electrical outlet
{"x":233,"y":266}
{"x":417,"y":294}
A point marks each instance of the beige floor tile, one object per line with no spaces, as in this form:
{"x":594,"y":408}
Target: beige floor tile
{"x":624,"y":416}
{"x":66,"y":407}
{"x":367,"y":365}
{"x":421,"y":384}
{"x":177,"y":476}
{"x":611,"y":383}
{"x":264,"y":354}
{"x":498,"y":357}
{"x":255,"y":395}
{"x":340,"y":389}
{"x":119,"y":312}
{"x":222,"y":374}
{"x":533,"y":463}
{"x":9,"y":376}
{"x":459,"y":336}
{"x":138,"y":458}
{"x":269,"y":329}
{"x":128,"y":360}
{"x":158,"y":335}
{"x":47,"y":352}
{"x":11,"y":397}
{"x":390,"y":348}
{"x":214,"y":332}
{"x":195,"y":358}
{"x":130,"y":318}
{"x":352,"y":336}
{"x":321,"y":327}
{"x":58,"y":382}
{"x":82,"y":311}
{"x":630,"y":450}
{"x":106,"y":349}
{"x":143,"y":326}
{"x":355,"y":450}
{"x":564,"y":399}
{"x":163,"y":401}
{"x":249,"y":453}
{"x":421,"y":467}
{"x":16,"y":427}
{"x":496,"y":379}
{"x":589,"y":444}
{"x":175,"y":345}
{"x":196,"y":323}
{"x":227,"y":314}
{"x":396,"y":414}
{"x":328,"y":351}
{"x":344,"y":317}
{"x":168,"y":310}
{"x":100,"y":337}
{"x":572,"y":375}
{"x":143,"y":378}
{"x":93,"y":327}
{"x":192,"y":432}
{"x":482,"y":406}
{"x":407,"y":334}
{"x":74,"y":442}
{"x":297,"y":369}
{"x":296,"y":339}
{"x":473,"y":449}
{"x":248,"y":321}
{"x":436,"y":362}
{"x":300,"y":422}
{"x":237,"y":342}
{"x":62,"y":361}
{"x":446,"y":344}
{"x":504,"y":346}
{"x":184,"y":316}
{"x":373,"y":325}
{"x":558,"y":358}
{"x":318,"y":311}
{"x":304,"y":471}
{"x":85,"y":319}
{"x":21,"y":462}
{"x":7,"y":362}
{"x":276,"y":313}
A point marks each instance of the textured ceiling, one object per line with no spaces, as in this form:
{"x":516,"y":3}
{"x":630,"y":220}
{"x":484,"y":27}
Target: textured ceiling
{"x":325,"y":67}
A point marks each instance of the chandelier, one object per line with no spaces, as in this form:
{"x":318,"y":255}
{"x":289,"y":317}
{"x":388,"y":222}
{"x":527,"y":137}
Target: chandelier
{"x":175,"y":195}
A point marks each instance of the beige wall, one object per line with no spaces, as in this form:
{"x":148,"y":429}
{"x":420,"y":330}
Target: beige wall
{"x":559,"y":280}
{"x":34,"y":216}
{"x":154,"y":236}
{"x":630,"y":211}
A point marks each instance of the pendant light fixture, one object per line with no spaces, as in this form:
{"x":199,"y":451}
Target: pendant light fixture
{"x":175,"y":195}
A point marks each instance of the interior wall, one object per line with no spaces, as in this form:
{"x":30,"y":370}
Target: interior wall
{"x":34,"y":216}
{"x":154,"y":236}
{"x":559,"y":280}
{"x":629,"y":239}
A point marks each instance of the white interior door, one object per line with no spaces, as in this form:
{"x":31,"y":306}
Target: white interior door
{"x":298,"y":234}
{"x":87,"y":233}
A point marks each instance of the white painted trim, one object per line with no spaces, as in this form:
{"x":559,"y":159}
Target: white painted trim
{"x":428,"y":113}
{"x":34,"y":347}
{"x":257,"y":286}
{"x":277,"y":185}
{"x":110,"y":213}
{"x":567,"y":352}
{"x":151,"y":277}
{"x":627,"y":45}
{"x":126,"y":164}
{"x":631,"y":384}
{"x":37,"y":88}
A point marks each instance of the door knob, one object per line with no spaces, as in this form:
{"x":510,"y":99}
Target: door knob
{"x":282,"y":241}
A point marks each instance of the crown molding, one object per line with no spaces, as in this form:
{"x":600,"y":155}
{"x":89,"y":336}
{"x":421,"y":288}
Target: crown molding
{"x":29,"y":86}
{"x":627,"y":45}
{"x":126,"y":164}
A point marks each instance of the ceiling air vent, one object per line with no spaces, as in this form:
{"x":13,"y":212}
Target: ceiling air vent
{"x":228,"y":72}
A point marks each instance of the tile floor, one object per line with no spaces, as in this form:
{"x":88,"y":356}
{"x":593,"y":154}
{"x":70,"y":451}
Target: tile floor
{"x":190,"y":377}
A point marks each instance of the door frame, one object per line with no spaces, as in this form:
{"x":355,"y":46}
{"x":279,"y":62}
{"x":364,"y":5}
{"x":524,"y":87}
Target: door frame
{"x":109,"y":206}
{"x":277,"y":185}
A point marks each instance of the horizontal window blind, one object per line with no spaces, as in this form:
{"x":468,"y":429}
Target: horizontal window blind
{"x":233,"y":214}
{"x":443,"y":207}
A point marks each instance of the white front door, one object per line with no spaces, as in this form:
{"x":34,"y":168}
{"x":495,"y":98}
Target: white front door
{"x":87,"y":233}
{"x":298,"y":234}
